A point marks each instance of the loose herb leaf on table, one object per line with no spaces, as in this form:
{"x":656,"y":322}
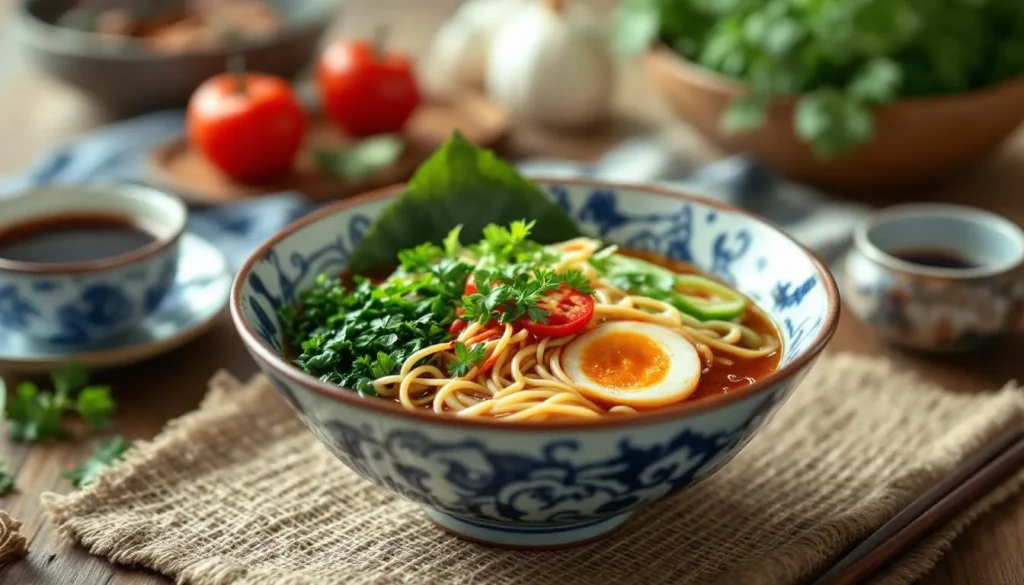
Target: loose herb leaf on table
{"x":104,"y":454}
{"x":35,"y":415}
{"x":6,"y":480}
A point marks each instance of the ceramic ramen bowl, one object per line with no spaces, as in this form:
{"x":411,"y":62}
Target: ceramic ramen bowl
{"x":547,"y":484}
{"x":936,"y":277}
{"x":89,"y":262}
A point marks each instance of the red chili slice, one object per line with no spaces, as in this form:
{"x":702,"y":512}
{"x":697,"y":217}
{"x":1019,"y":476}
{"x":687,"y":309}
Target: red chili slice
{"x":568,"y":309}
{"x":487,"y":334}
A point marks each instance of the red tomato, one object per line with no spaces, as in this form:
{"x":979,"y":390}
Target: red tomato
{"x":365,"y":90}
{"x":470,"y":285}
{"x":458,"y":324}
{"x":250,"y":133}
{"x":569,"y":311}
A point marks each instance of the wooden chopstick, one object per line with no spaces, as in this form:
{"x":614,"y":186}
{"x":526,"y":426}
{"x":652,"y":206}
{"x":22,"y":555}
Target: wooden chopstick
{"x":972,"y":479}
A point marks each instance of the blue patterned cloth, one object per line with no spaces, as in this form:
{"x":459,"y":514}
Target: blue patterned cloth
{"x":118,"y":152}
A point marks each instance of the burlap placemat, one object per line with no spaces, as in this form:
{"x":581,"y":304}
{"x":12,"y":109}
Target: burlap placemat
{"x":239,"y":492}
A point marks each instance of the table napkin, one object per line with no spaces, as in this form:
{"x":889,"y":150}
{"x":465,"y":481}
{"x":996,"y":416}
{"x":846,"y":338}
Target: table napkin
{"x":118,"y":152}
{"x":240,"y":492}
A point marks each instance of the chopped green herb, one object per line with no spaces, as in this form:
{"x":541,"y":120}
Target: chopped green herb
{"x":96,"y":407}
{"x":33,"y":415}
{"x":6,"y":480}
{"x":466,"y":358}
{"x":351,"y":338}
{"x":37,"y":415}
{"x":69,"y":378}
{"x":104,"y":454}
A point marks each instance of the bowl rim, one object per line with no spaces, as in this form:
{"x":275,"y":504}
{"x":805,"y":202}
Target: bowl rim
{"x":711,"y":80}
{"x":115,"y":190}
{"x":61,"y":39}
{"x":264,"y":353}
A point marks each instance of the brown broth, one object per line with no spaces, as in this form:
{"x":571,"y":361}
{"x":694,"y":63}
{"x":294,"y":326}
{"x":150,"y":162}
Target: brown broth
{"x":719,"y":378}
{"x":716,"y":379}
{"x":72,"y":238}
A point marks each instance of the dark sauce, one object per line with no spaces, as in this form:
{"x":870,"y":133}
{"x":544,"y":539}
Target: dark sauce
{"x":72,"y":238}
{"x":934,"y":258}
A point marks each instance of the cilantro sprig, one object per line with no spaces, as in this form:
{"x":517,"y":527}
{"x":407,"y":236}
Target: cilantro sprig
{"x":36,"y":415}
{"x":511,"y":293}
{"x":104,"y":454}
{"x":6,"y":480}
{"x":465,"y":358}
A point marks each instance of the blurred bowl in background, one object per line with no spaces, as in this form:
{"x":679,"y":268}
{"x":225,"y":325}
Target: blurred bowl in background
{"x":126,"y":77}
{"x":917,"y":141}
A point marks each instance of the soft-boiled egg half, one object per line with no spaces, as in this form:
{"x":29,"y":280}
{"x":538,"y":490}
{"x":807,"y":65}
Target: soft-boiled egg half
{"x":637,"y":364}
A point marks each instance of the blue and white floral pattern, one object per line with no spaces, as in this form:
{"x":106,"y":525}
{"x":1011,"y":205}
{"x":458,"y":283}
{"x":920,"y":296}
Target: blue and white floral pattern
{"x":932,"y":314}
{"x":552,"y":478}
{"x":76,"y":309}
{"x":198,"y":293}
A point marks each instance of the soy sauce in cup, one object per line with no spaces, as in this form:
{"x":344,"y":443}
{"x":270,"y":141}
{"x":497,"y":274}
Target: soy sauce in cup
{"x":932,"y":257}
{"x":70,"y":238}
{"x":82,"y":263}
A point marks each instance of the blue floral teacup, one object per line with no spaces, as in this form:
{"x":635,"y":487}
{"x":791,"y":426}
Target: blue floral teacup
{"x":936,"y":277}
{"x":83,"y":263}
{"x":547,"y":483}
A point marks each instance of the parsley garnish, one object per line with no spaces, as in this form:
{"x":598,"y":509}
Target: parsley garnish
{"x":465,"y":358}
{"x":6,"y":480}
{"x":351,"y":338}
{"x":37,"y":415}
{"x":510,"y":294}
{"x":104,"y":454}
{"x":502,"y":246}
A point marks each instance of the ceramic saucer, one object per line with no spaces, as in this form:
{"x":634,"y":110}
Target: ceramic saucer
{"x":198,"y":297}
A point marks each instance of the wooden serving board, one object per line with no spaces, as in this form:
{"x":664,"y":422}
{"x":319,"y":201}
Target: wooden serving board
{"x":176,"y":166}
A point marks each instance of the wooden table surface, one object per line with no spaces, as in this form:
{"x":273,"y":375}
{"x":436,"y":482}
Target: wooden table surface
{"x":36,"y":113}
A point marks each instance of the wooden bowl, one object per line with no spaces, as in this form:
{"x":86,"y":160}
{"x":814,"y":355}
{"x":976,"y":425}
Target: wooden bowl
{"x":127,"y":78}
{"x":917,"y":141}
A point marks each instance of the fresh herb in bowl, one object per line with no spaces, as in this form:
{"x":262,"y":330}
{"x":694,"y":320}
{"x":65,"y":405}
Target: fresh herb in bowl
{"x":840,"y":57}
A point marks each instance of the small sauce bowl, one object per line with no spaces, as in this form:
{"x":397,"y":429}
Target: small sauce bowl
{"x":57,"y":288}
{"x":936,"y":277}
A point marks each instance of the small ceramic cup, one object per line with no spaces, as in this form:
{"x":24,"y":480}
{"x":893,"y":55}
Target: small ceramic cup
{"x":77,"y":303}
{"x":936,"y":277}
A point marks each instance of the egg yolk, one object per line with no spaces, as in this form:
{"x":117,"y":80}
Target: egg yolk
{"x":624,"y":361}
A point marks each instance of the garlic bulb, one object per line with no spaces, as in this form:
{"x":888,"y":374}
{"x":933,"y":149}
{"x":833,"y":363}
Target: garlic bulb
{"x":551,"y":65}
{"x":458,"y":55}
